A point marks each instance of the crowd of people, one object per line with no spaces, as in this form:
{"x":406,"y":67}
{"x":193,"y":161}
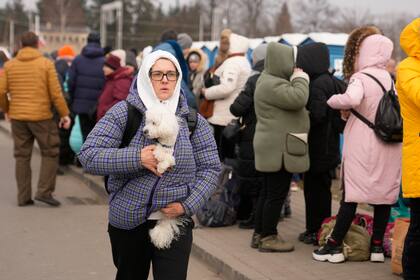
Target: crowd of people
{"x":291,"y":109}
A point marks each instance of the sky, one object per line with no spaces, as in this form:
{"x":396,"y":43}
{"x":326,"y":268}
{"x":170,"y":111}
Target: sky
{"x":374,"y":6}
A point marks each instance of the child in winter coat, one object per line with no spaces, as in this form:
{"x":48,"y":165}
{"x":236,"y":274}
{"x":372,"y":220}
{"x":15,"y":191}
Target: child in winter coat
{"x":117,"y":85}
{"x":371,"y":169}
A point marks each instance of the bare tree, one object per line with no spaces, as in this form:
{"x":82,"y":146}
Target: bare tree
{"x":349,"y":19}
{"x":283,"y":22}
{"x":312,"y":15}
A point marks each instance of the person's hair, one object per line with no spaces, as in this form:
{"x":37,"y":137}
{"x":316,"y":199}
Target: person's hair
{"x":29,"y":39}
{"x":169,"y":35}
{"x":352,"y":48}
{"x":3,"y":57}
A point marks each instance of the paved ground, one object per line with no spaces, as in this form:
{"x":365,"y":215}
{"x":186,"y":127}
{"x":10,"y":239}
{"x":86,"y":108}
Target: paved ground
{"x":69,"y":242}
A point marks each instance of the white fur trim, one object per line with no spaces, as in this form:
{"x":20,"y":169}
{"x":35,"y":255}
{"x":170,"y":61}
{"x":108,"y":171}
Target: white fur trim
{"x":300,"y":74}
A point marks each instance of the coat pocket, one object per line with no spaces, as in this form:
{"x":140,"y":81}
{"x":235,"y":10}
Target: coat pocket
{"x":297,"y":144}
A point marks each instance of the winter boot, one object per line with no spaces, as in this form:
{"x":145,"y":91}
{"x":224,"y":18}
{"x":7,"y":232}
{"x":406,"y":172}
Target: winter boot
{"x":274,"y":243}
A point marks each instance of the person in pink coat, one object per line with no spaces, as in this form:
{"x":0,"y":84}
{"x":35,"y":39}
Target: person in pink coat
{"x":371,"y":169}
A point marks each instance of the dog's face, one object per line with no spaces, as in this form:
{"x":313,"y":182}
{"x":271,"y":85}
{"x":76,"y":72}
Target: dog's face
{"x":161,"y":125}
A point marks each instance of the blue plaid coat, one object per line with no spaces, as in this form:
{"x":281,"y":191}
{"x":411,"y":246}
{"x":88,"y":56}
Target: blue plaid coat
{"x":135,"y":192}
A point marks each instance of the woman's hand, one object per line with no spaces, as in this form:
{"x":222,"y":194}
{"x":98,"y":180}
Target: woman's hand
{"x":345,"y":114}
{"x":297,"y":70}
{"x":148,"y":159}
{"x":173,"y":210}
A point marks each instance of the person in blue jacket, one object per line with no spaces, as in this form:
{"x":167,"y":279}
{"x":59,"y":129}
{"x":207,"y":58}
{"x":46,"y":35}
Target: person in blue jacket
{"x":86,"y":80}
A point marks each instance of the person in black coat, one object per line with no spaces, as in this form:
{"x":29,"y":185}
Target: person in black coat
{"x":243,"y":107}
{"x":324,"y":136}
{"x":86,"y":80}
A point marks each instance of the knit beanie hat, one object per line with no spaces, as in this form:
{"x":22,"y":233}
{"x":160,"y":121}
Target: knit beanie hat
{"x":259,"y":53}
{"x":66,"y":52}
{"x":184,"y":40}
{"x":94,"y":37}
{"x":113,"y":62}
{"x":121,"y":55}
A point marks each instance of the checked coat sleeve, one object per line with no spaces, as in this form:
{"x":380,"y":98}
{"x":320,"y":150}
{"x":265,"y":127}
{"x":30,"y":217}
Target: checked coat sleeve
{"x":101,"y":155}
{"x":208,"y":167}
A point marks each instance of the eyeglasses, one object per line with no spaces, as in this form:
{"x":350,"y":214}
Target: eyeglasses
{"x":158,"y":75}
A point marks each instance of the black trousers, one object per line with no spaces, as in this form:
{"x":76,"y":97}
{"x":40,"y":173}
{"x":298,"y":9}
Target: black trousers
{"x":272,"y":195}
{"x":133,"y":252}
{"x":317,"y":191}
{"x":87,"y":123}
{"x":225,"y":147}
{"x":411,"y":255}
{"x":346,"y":215}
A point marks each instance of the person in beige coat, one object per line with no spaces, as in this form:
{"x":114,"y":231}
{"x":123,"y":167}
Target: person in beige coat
{"x":233,"y":74}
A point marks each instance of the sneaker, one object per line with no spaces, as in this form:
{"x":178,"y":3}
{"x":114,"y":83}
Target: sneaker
{"x":48,"y":200}
{"x":330,"y":253}
{"x":377,"y":254}
{"x":274,"y":243}
{"x":255,"y":241}
{"x":308,"y":238}
{"x":26,"y":203}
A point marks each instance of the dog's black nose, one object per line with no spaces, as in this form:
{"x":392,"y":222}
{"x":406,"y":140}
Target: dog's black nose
{"x":146,"y":131}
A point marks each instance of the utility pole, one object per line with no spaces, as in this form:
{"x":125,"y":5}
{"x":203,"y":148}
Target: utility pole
{"x":201,"y":22}
{"x":116,"y":6}
{"x":12,"y":36}
{"x":37,"y":24}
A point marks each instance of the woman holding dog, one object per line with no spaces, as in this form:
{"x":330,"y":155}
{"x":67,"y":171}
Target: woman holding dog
{"x":137,"y":191}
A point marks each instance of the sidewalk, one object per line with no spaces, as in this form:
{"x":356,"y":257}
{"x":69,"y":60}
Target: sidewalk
{"x":227,"y":250}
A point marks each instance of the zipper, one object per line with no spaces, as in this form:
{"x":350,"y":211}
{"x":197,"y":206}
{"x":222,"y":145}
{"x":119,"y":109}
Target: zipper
{"x":150,"y":201}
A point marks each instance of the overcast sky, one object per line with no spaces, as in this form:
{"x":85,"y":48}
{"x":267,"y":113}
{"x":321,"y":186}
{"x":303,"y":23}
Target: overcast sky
{"x":374,"y":6}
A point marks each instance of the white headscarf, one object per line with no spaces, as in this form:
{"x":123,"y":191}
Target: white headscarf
{"x":144,"y":84}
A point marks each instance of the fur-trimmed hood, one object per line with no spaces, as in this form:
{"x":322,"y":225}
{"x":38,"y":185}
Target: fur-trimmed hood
{"x":203,"y":59}
{"x":352,"y":48}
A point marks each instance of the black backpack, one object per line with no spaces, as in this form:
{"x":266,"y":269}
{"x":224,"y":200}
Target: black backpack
{"x":134,"y":118}
{"x":388,"y":121}
{"x":221,"y":209}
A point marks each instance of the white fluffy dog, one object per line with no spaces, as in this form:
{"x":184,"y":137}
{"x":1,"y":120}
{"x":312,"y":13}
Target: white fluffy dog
{"x":162,"y":125}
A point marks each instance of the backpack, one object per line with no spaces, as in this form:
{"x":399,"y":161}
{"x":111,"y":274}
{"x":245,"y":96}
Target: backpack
{"x":220,"y":210}
{"x":388,"y":124}
{"x":356,"y":243}
{"x":134,"y":118}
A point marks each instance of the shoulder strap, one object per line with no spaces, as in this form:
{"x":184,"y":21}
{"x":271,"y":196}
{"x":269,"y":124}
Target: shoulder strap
{"x":377,"y":81}
{"x":362,"y":118}
{"x":192,"y":120}
{"x":134,"y":118}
